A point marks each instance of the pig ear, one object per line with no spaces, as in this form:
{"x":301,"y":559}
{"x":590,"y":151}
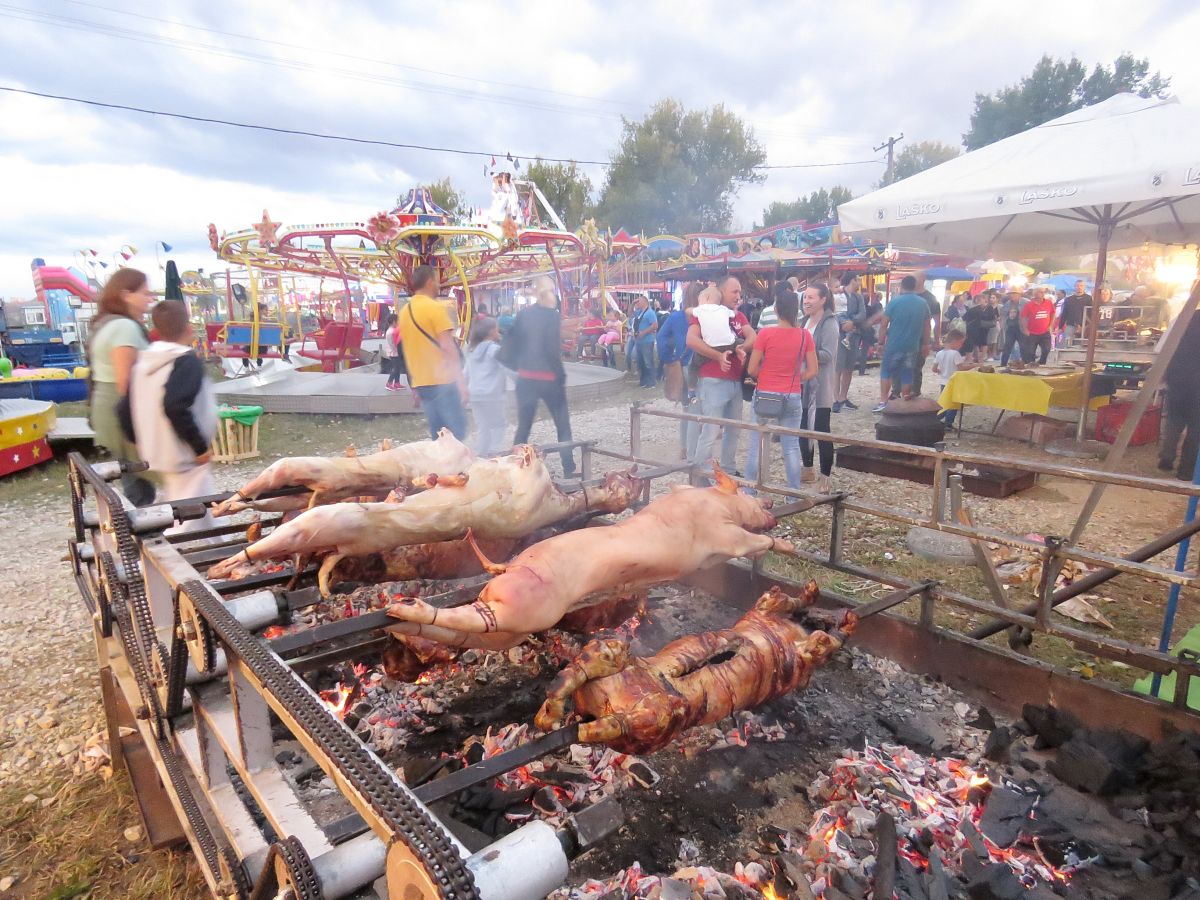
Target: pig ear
{"x":725,"y":484}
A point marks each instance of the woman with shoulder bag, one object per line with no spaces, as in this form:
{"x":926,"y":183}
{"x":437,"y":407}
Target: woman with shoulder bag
{"x":118,"y":335}
{"x":821,"y":322}
{"x":783,"y":358}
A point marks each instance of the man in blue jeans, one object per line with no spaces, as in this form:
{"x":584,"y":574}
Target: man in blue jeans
{"x":904,"y":333}
{"x":642,"y":326}
{"x":719,"y":388}
{"x":431,"y":356}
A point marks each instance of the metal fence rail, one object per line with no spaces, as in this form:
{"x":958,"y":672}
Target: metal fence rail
{"x":946,"y":514}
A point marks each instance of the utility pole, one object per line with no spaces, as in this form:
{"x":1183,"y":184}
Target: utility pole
{"x":890,"y":143}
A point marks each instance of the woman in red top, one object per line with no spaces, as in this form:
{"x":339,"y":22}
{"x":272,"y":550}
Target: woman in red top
{"x":783,"y":358}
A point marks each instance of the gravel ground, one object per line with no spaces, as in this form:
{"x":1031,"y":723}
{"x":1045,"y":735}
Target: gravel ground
{"x":49,"y":697}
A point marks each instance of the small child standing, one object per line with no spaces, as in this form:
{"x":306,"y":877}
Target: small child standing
{"x":713,"y":317}
{"x":390,"y":359}
{"x":946,"y":362}
{"x":487,"y":381}
{"x":170,"y":412}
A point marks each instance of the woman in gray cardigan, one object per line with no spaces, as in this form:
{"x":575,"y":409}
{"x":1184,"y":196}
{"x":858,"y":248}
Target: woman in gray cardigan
{"x":821,"y":321}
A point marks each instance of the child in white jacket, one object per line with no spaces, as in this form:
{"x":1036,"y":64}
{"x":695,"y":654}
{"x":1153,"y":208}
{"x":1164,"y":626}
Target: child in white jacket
{"x":171,"y":411}
{"x":487,"y":381}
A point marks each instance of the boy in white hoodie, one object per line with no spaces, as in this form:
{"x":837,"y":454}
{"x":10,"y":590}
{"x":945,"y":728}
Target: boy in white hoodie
{"x":171,"y":413}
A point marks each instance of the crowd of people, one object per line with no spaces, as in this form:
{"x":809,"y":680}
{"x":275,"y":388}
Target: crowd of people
{"x":792,"y":361}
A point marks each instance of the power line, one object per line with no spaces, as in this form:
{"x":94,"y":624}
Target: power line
{"x":358,"y":58}
{"x":144,"y":37}
{"x":369,"y":141}
{"x":147,"y":37}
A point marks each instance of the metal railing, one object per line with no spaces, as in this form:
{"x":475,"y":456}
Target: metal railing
{"x":947,"y":514}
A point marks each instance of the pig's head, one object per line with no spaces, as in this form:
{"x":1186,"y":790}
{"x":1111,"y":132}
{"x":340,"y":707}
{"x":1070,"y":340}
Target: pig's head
{"x":751,"y":513}
{"x":616,"y":493}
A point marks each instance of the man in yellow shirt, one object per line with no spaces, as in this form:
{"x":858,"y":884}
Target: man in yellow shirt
{"x":431,"y":355}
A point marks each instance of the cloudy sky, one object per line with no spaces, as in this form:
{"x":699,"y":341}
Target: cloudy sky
{"x":820,"y":83}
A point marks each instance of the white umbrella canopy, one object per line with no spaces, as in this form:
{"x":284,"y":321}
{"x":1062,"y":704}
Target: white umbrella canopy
{"x":1113,"y":175}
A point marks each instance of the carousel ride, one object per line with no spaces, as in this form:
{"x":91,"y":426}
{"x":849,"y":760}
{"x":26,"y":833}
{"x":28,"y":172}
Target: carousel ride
{"x":508,"y":241}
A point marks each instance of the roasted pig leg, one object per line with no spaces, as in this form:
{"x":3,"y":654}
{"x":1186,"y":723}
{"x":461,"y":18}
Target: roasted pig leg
{"x":642,"y":704}
{"x":330,"y":479}
{"x":676,"y":534}
{"x":509,"y":497}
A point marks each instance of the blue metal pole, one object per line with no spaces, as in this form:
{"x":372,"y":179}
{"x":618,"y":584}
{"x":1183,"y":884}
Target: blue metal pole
{"x":1168,"y":625}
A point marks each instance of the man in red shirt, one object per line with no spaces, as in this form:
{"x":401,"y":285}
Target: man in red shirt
{"x":1037,"y":318}
{"x":719,"y":388}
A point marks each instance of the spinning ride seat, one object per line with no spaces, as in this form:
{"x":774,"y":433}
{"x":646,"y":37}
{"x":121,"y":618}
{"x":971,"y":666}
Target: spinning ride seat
{"x":236,"y":340}
{"x":332,"y":345}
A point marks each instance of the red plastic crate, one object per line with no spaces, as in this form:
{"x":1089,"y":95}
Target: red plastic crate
{"x":1110,"y":418}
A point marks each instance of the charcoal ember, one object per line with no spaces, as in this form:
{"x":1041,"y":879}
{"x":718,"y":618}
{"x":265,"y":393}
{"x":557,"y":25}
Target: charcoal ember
{"x":984,"y":720}
{"x":1100,"y":762}
{"x":909,"y":882}
{"x":546,"y":801}
{"x":909,"y":732}
{"x":849,"y":885}
{"x":1052,"y":725}
{"x":1006,"y":815}
{"x":492,"y":798}
{"x":995,"y":882}
{"x":998,"y":743}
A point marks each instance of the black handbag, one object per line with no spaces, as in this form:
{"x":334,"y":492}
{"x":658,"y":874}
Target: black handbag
{"x":769,"y":404}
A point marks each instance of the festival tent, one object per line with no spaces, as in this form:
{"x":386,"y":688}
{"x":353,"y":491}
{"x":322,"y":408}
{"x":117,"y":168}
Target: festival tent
{"x":1114,"y":175}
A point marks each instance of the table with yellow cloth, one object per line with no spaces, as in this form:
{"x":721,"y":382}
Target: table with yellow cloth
{"x":1018,"y":393}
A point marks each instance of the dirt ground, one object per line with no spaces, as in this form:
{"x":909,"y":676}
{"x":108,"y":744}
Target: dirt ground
{"x":49,"y":702}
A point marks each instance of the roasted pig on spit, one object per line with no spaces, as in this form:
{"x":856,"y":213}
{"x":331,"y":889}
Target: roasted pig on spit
{"x":509,"y":497}
{"x":330,"y":479}
{"x":642,"y":704}
{"x":678,"y":533}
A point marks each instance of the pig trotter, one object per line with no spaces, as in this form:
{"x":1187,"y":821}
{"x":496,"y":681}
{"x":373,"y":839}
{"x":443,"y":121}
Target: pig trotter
{"x":598,"y":658}
{"x":488,"y":566}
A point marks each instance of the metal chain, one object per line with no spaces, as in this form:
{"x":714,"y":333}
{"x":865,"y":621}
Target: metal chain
{"x":210,"y":850}
{"x":393,"y":802}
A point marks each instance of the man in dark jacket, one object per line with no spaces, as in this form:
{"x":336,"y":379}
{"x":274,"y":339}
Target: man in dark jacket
{"x":1183,"y":404}
{"x":534,"y":349}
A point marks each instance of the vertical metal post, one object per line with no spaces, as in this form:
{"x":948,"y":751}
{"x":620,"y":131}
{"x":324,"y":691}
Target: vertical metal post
{"x":635,"y":429}
{"x":763,"y":446}
{"x":837,"y":521}
{"x":1106,"y":230}
{"x":926,"y":616}
{"x":253,"y":719}
{"x":939,"y":487}
{"x":1168,"y":625}
{"x":585,"y":462}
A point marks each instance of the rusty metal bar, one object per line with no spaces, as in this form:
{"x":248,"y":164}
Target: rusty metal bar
{"x":1109,"y":648}
{"x":1161,"y":485}
{"x":1100,"y":576}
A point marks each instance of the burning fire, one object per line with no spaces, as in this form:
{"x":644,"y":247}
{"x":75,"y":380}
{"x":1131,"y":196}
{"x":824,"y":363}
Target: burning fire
{"x":769,"y":893}
{"x":338,"y":699}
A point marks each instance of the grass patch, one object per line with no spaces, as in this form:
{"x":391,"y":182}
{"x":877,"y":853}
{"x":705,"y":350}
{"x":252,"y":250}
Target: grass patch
{"x":75,"y":846}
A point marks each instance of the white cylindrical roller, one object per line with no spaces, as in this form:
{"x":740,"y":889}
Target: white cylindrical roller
{"x":524,"y":865}
{"x":254,"y":611}
{"x":350,"y":866}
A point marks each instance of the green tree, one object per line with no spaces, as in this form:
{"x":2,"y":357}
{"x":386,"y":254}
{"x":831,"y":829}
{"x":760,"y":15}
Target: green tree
{"x":1055,"y":88}
{"x":918,"y":157}
{"x":445,"y":195}
{"x":818,"y":206}
{"x":566,"y":188}
{"x":678,"y":170}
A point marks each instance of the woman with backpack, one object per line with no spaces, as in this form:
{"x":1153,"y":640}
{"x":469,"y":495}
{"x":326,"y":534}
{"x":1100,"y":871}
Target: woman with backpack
{"x":118,"y":336}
